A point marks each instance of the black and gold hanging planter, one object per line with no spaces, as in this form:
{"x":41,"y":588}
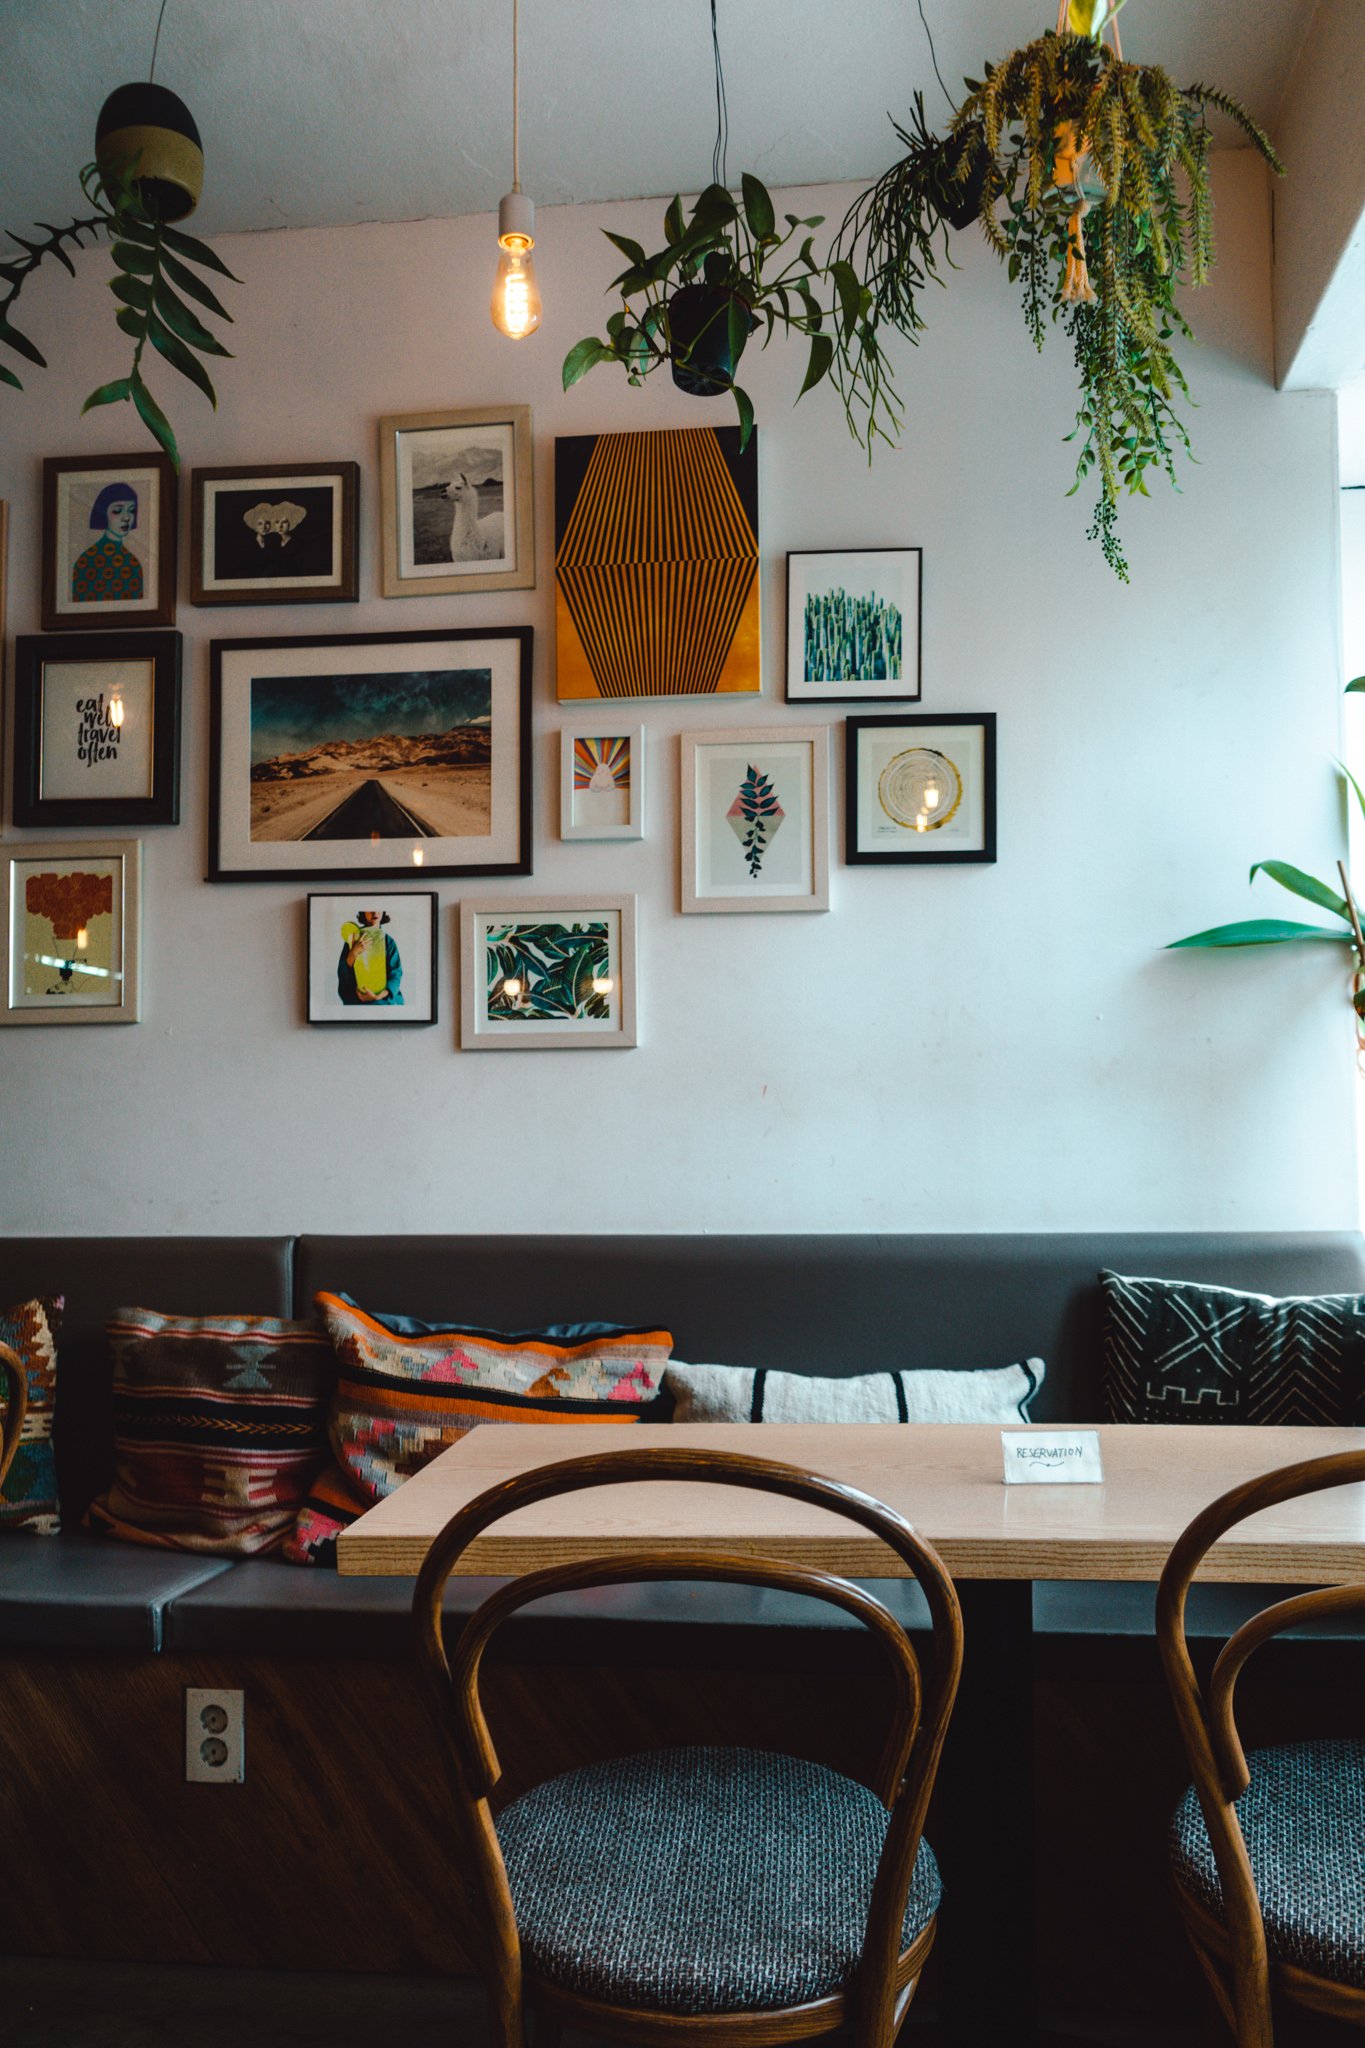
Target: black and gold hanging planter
{"x":148,"y":173}
{"x":146,"y":134}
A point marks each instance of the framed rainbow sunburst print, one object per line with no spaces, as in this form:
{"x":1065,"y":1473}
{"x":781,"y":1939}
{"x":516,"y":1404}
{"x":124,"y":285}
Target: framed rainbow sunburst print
{"x":601,"y":782}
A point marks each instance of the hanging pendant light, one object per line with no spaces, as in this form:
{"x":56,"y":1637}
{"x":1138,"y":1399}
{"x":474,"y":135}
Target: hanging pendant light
{"x":515,"y":305}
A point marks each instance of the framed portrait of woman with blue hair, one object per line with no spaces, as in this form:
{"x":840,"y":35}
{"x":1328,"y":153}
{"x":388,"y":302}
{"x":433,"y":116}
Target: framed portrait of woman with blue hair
{"x":109,"y":528}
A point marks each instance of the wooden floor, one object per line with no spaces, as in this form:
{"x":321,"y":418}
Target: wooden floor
{"x":50,"y":2004}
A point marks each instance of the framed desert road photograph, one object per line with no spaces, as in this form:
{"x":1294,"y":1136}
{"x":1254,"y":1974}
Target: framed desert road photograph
{"x":361,"y":755}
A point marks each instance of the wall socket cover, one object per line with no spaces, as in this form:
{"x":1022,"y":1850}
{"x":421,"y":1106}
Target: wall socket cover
{"x":215,"y":1735}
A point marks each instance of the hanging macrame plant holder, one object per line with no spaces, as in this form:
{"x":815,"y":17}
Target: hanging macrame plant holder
{"x":1075,"y":177}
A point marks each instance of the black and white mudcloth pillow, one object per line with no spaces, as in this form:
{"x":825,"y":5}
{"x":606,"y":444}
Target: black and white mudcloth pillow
{"x":1175,"y":1351}
{"x":735,"y":1393}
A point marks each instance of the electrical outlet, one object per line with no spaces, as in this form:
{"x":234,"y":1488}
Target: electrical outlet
{"x":215,"y":1736}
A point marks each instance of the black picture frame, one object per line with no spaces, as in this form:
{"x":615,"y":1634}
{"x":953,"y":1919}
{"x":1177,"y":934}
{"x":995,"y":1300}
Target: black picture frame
{"x":910,"y":593}
{"x":237,"y":854}
{"x":909,"y":846}
{"x":72,"y":494}
{"x":331,"y":568}
{"x":34,"y":654}
{"x":377,"y":1016}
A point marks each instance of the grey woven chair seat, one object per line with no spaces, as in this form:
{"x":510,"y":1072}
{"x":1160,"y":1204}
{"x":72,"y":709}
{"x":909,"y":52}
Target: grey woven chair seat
{"x":700,"y":1880}
{"x":1303,"y":1816}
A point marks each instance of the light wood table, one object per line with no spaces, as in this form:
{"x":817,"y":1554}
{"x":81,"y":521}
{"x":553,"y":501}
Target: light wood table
{"x":947,"y":1480}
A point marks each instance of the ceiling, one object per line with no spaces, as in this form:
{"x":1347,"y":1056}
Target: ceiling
{"x":320,"y":112}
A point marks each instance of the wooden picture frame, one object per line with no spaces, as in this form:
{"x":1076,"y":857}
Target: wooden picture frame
{"x":755,"y":819}
{"x":546,"y":942}
{"x":396,"y":985}
{"x":849,"y":641}
{"x":70,"y":932}
{"x":601,"y":781}
{"x":103,"y":584}
{"x":246,"y":519}
{"x":4,"y":654}
{"x":350,"y":757}
{"x":920,"y":789}
{"x":97,"y":729}
{"x":456,"y":501}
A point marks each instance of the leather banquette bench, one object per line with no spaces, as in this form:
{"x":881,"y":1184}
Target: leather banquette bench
{"x":109,"y":1853}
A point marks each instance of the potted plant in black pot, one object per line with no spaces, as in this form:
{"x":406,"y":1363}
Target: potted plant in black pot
{"x":725,"y":272}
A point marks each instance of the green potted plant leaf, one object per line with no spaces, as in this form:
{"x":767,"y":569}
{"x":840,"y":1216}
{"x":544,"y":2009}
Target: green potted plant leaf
{"x":147,"y":173}
{"x":724,"y":273}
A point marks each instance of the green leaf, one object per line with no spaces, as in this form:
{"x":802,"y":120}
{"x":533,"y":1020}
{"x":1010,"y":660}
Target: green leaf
{"x":1300,"y":884}
{"x":758,"y":207}
{"x":197,"y":252}
{"x":582,"y":357}
{"x":673,"y":223}
{"x":129,"y":256}
{"x":850,"y":294}
{"x":1356,"y":683}
{"x":632,"y":251}
{"x":1360,"y":793}
{"x":109,"y":394}
{"x":192,"y":286}
{"x":821,"y":356}
{"x":744,"y":406}
{"x":180,"y":358}
{"x":134,"y":291}
{"x":131,"y":322}
{"x":153,"y":417}
{"x":21,"y":344}
{"x":7,"y":376}
{"x":1259,"y":931}
{"x":737,"y":329}
{"x":182,"y":323}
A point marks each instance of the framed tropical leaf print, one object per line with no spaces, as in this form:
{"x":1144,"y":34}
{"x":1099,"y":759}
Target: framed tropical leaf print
{"x":555,"y":971}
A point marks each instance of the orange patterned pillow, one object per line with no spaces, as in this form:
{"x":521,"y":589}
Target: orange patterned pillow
{"x":407,"y":1390}
{"x":28,"y":1499}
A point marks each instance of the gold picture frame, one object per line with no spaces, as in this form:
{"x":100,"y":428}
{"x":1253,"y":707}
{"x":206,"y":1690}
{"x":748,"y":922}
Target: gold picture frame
{"x":456,"y":501}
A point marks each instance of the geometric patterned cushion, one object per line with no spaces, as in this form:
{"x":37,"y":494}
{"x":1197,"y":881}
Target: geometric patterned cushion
{"x":406,"y":1390}
{"x":29,"y":1498}
{"x":1303,"y":1816}
{"x":219,"y":1428}
{"x":1178,"y":1352}
{"x":700,"y":1880}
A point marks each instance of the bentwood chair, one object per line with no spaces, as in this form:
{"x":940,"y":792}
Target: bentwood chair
{"x":1267,"y":1848}
{"x":13,"y":1406}
{"x":705,"y":1895}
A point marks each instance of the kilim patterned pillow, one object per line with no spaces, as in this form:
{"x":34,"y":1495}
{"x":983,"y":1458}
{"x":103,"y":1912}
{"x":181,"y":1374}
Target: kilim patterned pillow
{"x":219,"y":1429}
{"x":1175,"y":1351}
{"x":28,"y":1499}
{"x":408,"y":1390}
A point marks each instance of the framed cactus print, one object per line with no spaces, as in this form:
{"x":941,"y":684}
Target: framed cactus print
{"x":755,"y":819}
{"x":853,"y":625}
{"x":547,"y":972}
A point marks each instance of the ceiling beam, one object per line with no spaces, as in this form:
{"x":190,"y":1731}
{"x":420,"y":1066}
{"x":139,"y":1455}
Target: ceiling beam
{"x":1319,"y":287}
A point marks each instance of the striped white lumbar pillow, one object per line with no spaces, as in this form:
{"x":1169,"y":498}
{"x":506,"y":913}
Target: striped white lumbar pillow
{"x":735,"y":1393}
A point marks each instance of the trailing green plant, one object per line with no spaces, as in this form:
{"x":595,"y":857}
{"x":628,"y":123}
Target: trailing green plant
{"x":1275,"y":931}
{"x":756,"y":278}
{"x":1098,"y":198}
{"x":155,"y":274}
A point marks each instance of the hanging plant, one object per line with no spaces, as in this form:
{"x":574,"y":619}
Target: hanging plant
{"x":147,"y":173}
{"x":724,"y":273}
{"x":1090,"y":177}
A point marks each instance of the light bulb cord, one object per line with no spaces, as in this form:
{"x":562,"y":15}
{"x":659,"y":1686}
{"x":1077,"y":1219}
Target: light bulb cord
{"x":516,"y":102}
{"x":719,"y":168}
{"x":151,"y":75}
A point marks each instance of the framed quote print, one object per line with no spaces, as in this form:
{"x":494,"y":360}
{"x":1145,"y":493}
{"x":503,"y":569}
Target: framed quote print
{"x":275,"y":533}
{"x":456,"y":501}
{"x":97,"y":729}
{"x":549,"y":972}
{"x":755,"y":819}
{"x":109,"y":529}
{"x":366,"y":755}
{"x":372,"y":957}
{"x":70,"y":932}
{"x":920,"y":789}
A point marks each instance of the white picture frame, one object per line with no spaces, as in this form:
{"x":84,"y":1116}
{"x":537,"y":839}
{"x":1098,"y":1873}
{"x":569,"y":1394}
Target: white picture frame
{"x":733,"y":861}
{"x":853,"y":625}
{"x":511,"y":951}
{"x":62,"y":964}
{"x":372,"y":957}
{"x":601,"y":781}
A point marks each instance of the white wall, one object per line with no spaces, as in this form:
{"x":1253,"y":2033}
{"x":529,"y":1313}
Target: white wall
{"x":975,"y":1048}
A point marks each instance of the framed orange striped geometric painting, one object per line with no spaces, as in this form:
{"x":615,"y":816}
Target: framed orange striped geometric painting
{"x":656,"y":564}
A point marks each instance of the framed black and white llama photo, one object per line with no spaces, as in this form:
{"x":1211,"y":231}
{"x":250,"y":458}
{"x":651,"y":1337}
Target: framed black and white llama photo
{"x":457,"y":510}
